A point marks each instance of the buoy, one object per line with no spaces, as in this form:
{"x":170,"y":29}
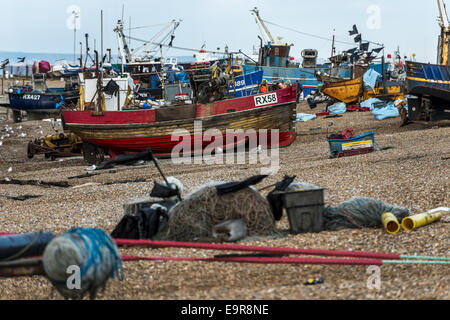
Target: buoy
{"x":390,"y":223}
{"x":419,"y":220}
{"x":81,"y":261}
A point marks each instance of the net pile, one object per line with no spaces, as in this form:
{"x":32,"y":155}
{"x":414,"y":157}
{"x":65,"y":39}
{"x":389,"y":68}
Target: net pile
{"x":360,"y":213}
{"x":195,"y":216}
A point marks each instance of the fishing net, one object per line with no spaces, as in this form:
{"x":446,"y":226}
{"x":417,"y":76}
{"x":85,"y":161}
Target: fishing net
{"x":360,"y":213}
{"x":195,"y":216}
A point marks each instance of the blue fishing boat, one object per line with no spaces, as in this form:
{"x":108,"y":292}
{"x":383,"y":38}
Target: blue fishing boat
{"x":38,"y":100}
{"x":429,"y":88}
{"x":247,"y":84}
{"x":278,"y":66}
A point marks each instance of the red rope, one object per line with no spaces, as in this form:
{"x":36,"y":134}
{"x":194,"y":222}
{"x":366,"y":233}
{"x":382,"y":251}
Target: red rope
{"x":244,"y":248}
{"x":264,"y":260}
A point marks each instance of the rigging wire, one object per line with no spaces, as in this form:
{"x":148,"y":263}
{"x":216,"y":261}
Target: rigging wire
{"x":308,"y":34}
{"x":176,"y":47}
{"x":144,"y":27}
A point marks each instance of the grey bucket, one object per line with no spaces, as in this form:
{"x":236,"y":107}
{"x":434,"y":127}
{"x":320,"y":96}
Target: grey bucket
{"x":304,"y":210}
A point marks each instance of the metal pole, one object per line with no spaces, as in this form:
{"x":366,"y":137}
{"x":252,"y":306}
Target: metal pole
{"x":74,"y":35}
{"x":101,"y":32}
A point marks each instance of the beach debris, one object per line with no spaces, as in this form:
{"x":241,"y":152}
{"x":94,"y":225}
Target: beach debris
{"x":389,"y":111}
{"x":22,"y":197}
{"x":170,"y":190}
{"x":337,"y":108}
{"x":313,"y":281}
{"x":21,"y":268}
{"x":137,"y":180}
{"x":89,"y":184}
{"x":17,"y":246}
{"x":230,"y":187}
{"x":230,"y":231}
{"x":360,"y":213}
{"x":275,"y":199}
{"x":91,"y":168}
{"x":195,"y":216}
{"x":144,"y":224}
{"x":303,"y":117}
{"x":356,"y":145}
{"x":60,"y":184}
{"x":390,"y":223}
{"x":81,"y":176}
{"x":304,"y":204}
{"x":90,"y":253}
{"x":419,"y":220}
{"x":10,"y":169}
{"x":127,"y":159}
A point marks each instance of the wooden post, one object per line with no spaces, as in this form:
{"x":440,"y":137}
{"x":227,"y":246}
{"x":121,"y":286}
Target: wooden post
{"x":118,"y":99}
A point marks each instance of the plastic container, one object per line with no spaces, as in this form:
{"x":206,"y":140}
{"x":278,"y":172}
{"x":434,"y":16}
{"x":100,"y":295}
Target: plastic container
{"x":361,"y":144}
{"x":304,"y":210}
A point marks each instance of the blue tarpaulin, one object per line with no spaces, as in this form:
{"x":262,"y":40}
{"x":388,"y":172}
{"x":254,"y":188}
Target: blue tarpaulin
{"x":390,"y":111}
{"x":370,"y":78}
{"x":302,"y":117}
{"x":370,"y":102}
{"x":337,"y":108}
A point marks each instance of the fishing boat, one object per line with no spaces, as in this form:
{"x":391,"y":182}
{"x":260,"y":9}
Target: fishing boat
{"x":127,"y":130}
{"x":429,"y":91}
{"x":38,"y":100}
{"x":429,"y":84}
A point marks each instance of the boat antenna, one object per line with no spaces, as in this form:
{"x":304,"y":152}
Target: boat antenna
{"x":76,"y":15}
{"x":332,"y":53}
{"x":81,"y":55}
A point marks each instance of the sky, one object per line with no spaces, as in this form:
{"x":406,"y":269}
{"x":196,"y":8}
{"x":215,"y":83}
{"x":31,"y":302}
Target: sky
{"x":44,"y":25}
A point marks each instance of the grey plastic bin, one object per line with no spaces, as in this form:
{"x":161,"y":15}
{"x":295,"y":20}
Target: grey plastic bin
{"x":304,"y":210}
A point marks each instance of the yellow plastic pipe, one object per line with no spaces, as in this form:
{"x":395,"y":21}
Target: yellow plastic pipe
{"x":419,"y":220}
{"x":390,"y":223}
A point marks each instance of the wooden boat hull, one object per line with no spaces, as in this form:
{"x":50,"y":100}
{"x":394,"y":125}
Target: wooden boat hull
{"x":200,"y":126}
{"x":347,"y":91}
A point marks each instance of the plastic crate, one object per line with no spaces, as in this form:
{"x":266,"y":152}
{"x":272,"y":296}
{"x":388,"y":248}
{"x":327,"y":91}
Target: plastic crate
{"x":363,"y":143}
{"x":304,"y":210}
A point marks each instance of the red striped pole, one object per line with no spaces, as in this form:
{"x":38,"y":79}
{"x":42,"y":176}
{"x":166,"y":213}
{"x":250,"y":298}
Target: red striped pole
{"x":264,"y":260}
{"x":244,"y":248}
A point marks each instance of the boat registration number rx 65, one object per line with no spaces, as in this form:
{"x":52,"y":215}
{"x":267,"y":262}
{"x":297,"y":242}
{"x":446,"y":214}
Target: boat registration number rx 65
{"x":31,"y":97}
{"x":266,"y":99}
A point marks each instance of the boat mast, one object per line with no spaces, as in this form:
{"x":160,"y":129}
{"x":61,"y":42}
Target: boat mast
{"x":124,"y":50}
{"x":444,"y":39}
{"x":266,"y":31}
{"x":332,"y":55}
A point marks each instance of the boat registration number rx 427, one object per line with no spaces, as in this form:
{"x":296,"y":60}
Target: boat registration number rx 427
{"x":266,"y":99}
{"x":31,"y":97}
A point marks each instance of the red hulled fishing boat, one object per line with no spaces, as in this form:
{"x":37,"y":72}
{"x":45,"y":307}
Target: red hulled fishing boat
{"x":201,"y":126}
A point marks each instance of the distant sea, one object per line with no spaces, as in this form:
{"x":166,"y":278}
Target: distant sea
{"x":52,"y":58}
